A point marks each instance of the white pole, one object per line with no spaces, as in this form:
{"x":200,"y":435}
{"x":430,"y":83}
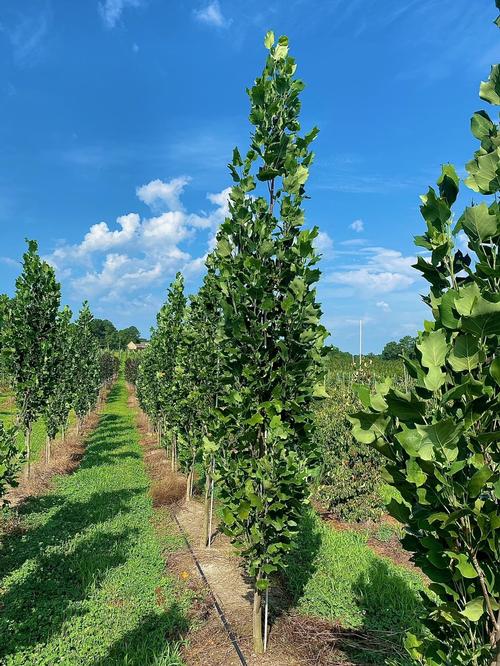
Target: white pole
{"x":360,"y":340}
{"x":266,"y":616}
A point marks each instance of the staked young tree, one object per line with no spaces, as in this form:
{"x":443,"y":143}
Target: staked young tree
{"x":271,"y":333}
{"x":29,"y":335}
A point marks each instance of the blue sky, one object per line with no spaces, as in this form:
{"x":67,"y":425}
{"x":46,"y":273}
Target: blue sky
{"x":118,"y":117}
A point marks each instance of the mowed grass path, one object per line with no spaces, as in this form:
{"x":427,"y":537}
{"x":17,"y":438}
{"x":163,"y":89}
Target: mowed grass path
{"x":83,"y":582}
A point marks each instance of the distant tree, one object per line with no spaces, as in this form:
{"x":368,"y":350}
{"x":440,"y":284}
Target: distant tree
{"x":391,"y":351}
{"x":87,"y":365}
{"x":126,"y":335}
{"x":105,"y":331}
{"x":394,"y":350}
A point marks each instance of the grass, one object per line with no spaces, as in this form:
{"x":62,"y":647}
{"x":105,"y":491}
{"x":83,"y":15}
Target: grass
{"x":334,"y":575}
{"x":83,"y":581}
{"x":38,"y":435}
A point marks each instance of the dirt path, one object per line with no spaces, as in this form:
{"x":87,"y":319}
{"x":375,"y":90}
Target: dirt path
{"x":208,"y":642}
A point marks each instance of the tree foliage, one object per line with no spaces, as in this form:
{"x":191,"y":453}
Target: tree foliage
{"x":395,"y":350}
{"x":271,"y":334}
{"x":86,"y":364}
{"x":441,"y":438}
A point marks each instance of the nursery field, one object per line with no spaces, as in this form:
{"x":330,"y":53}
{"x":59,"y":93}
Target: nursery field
{"x":237,"y":489}
{"x":84,"y":575}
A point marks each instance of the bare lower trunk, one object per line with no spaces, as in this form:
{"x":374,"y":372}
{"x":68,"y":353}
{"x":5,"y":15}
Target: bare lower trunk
{"x":27,"y":443}
{"x":188,"y":486}
{"x":211,"y":512}
{"x":258,"y":643}
{"x":206,"y":513}
{"x":174,"y":451}
{"x":63,"y":433}
{"x":47,"y":449}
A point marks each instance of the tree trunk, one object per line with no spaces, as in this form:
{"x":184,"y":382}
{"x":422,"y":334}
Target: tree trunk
{"x":258,"y":643}
{"x":47,"y":449}
{"x":174,"y":451}
{"x":211,"y":510}
{"x":188,"y":487}
{"x":63,"y":434}
{"x":27,"y":442}
{"x":206,"y":513}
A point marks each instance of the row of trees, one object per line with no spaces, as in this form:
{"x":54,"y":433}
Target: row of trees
{"x":53,"y":365}
{"x":229,"y":379}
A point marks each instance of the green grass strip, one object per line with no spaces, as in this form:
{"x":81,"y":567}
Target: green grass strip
{"x":85,"y":584}
{"x":334,"y":575}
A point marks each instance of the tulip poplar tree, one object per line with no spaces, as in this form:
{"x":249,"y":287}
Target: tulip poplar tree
{"x":271,"y":333}
{"x":60,"y":365}
{"x":29,"y":337}
{"x":86,"y":365}
{"x":441,"y":439}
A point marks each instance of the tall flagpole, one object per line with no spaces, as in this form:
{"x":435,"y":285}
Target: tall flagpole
{"x":360,"y":340}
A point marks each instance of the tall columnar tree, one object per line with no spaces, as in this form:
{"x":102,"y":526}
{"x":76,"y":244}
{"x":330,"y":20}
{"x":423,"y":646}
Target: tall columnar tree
{"x":86,"y":365}
{"x":442,"y":438}
{"x":168,"y":338}
{"x":29,"y":336}
{"x":60,"y":368}
{"x":196,"y":378}
{"x":265,"y":269}
{"x":159,"y":384}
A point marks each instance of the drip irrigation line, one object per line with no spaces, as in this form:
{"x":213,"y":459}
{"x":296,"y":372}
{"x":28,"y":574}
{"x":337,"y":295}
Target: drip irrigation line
{"x":217,"y":606}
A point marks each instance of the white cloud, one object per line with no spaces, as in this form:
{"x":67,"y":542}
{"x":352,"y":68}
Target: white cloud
{"x":212,"y":15}
{"x":383,"y":306}
{"x":324,"y":244}
{"x":100,"y":237}
{"x":141,"y":252}
{"x":157,"y":193}
{"x":358,"y":226}
{"x":383,"y":271}
{"x":111,"y":10}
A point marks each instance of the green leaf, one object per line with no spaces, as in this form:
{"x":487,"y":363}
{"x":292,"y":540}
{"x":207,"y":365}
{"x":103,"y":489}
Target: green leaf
{"x":414,"y":473}
{"x":464,"y":355}
{"x":478,"y":221}
{"x":495,"y":370}
{"x":281,"y":50}
{"x":269,"y":39}
{"x":433,"y":347}
{"x":478,"y":480}
{"x":255,"y":419}
{"x":490,"y":90}
{"x":463,"y":564}
{"x":474,"y":609}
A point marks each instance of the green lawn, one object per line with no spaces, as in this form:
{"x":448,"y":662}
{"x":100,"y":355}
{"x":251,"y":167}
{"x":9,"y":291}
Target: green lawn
{"x":335,"y":575}
{"x":84,"y":582}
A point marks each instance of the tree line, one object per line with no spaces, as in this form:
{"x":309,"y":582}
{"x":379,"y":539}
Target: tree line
{"x":53,"y":365}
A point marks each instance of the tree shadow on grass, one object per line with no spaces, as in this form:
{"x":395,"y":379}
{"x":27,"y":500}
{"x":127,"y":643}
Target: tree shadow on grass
{"x":391,"y":606}
{"x":155,"y":641}
{"x":64,"y":548}
{"x":46,"y":584}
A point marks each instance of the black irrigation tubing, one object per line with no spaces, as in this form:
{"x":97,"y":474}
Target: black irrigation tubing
{"x":219,"y":610}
